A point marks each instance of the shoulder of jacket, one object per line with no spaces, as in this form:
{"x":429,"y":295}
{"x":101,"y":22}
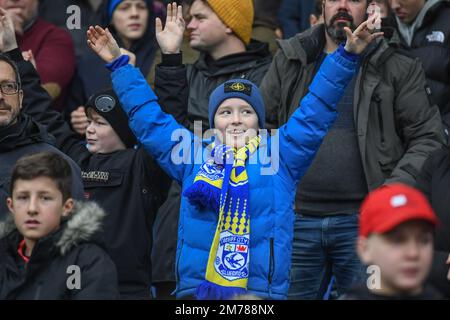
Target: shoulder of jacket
{"x":7,"y":226}
{"x":404,"y":56}
{"x":82,"y":225}
{"x":53,"y":31}
{"x":438,"y":11}
{"x":290,"y":49}
{"x":303,"y":46}
{"x":398,"y":57}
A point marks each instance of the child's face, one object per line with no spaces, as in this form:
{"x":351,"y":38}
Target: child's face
{"x":237,"y":122}
{"x":100,"y":136}
{"x":130,"y":19}
{"x":404,"y":256}
{"x":37,"y":207}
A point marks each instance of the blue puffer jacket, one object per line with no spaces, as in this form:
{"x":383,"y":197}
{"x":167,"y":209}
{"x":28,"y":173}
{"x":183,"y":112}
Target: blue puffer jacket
{"x":271,"y":196}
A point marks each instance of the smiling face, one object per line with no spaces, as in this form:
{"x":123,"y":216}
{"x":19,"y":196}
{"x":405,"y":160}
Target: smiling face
{"x":342,"y":13}
{"x":407,"y":10}
{"x":37,"y":206}
{"x":236,"y":121}
{"x":130,"y":19}
{"x":100,"y":136}
{"x":404,"y":256}
{"x":10,"y":104}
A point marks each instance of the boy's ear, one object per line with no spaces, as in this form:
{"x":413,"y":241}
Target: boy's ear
{"x":363,"y":250}
{"x":68,"y":207}
{"x":9,"y":203}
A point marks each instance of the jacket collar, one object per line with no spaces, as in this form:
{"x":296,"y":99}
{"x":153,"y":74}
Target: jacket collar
{"x":305,"y":46}
{"x":255,"y":53}
{"x":26,"y":131}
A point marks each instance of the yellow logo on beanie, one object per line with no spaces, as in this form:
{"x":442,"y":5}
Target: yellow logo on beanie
{"x":240,"y":87}
{"x":237,"y":86}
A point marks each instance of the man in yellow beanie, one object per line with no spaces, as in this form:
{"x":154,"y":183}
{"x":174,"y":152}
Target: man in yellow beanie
{"x":220,"y":30}
{"x":236,"y":14}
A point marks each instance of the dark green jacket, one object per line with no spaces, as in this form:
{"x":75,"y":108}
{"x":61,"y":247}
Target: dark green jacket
{"x":396,"y":125}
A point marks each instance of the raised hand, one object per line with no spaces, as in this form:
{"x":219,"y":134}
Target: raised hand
{"x":79,"y":120}
{"x":103,"y":43}
{"x":358,"y":40}
{"x":8,"y":40}
{"x":18,"y":19}
{"x":171,"y":37}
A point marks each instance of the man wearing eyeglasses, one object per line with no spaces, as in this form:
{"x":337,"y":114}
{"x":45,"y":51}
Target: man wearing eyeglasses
{"x":19,"y":134}
{"x":11,"y":96}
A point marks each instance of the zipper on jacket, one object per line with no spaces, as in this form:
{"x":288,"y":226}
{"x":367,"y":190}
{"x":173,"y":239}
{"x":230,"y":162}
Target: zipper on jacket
{"x":271,"y":263}
{"x":376,"y":98}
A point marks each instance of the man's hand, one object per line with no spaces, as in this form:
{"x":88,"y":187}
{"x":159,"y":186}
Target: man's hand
{"x":79,"y":121}
{"x":103,"y":43}
{"x":18,"y":19}
{"x":171,"y":37}
{"x":362,"y":36}
{"x":8,"y":40}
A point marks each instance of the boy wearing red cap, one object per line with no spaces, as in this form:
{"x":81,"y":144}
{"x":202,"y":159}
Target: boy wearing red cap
{"x":396,"y":232}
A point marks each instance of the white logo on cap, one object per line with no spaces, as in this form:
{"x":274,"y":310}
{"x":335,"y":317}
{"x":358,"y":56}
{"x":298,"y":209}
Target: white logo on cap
{"x":398,"y":200}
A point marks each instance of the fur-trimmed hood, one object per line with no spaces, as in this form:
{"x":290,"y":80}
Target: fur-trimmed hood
{"x":82,"y":225}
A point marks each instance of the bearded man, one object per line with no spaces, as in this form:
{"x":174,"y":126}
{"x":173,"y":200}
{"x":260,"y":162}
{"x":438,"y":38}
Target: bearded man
{"x":385,"y":130}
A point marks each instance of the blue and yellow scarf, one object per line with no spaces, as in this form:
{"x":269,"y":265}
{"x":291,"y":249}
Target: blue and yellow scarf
{"x":221,"y":184}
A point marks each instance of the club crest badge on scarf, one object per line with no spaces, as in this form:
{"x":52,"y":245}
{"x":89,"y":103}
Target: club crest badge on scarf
{"x":232,"y":257}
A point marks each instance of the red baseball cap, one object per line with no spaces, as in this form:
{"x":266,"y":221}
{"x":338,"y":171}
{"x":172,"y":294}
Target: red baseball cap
{"x":391,"y":205}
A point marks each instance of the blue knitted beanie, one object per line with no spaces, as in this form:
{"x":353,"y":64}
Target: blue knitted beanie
{"x":237,"y":88}
{"x":112,"y":5}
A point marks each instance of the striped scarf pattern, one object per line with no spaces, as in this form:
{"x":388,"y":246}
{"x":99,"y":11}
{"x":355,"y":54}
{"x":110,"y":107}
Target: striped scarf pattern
{"x":222,"y":185}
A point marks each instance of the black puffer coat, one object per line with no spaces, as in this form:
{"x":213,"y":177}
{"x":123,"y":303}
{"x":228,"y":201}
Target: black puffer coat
{"x":434,"y":182}
{"x":49,"y":271}
{"x":431,"y":44}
